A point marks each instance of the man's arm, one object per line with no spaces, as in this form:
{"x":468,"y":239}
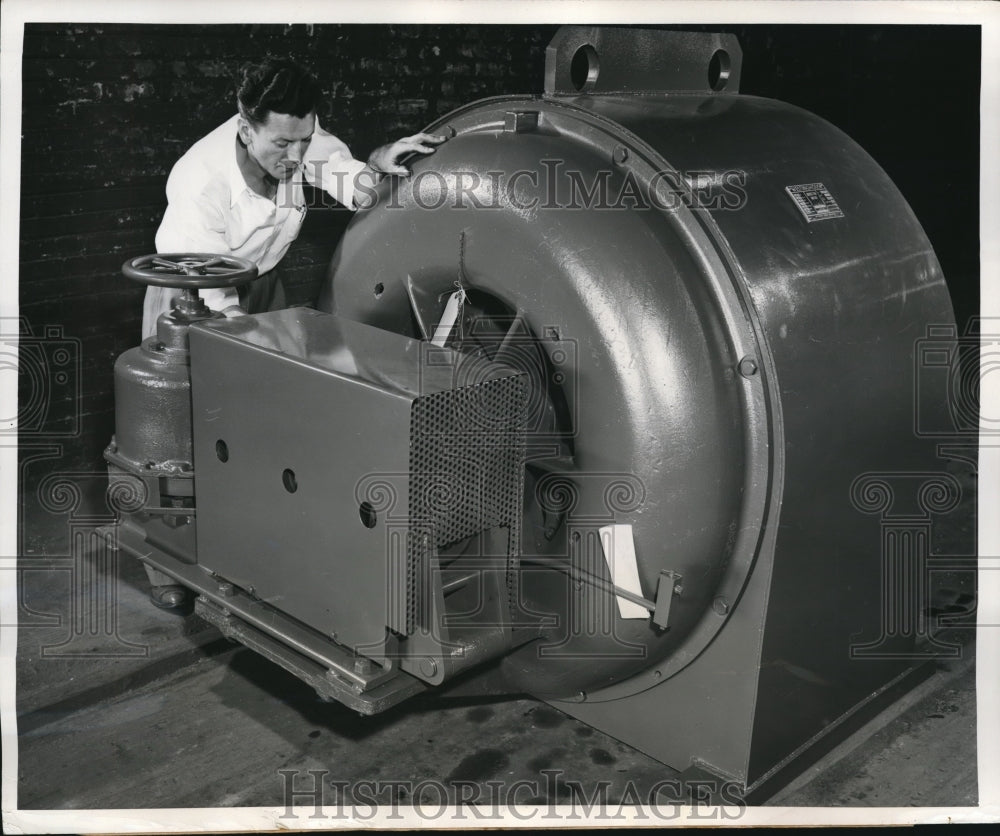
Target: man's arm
{"x":331,"y":166}
{"x":194,"y":224}
{"x":388,"y":159}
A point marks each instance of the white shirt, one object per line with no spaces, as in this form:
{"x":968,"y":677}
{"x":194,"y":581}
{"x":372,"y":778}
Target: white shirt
{"x":211,"y":209}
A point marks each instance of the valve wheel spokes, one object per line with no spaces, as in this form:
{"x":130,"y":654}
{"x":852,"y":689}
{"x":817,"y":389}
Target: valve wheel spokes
{"x":186,"y":266}
{"x":190,"y":270}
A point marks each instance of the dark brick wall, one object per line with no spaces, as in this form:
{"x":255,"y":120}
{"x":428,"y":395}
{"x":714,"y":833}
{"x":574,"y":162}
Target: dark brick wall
{"x":108,"y":109}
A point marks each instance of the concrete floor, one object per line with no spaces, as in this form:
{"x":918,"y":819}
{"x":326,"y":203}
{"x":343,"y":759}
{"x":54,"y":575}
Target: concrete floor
{"x":152,"y":710}
{"x":218,"y":732}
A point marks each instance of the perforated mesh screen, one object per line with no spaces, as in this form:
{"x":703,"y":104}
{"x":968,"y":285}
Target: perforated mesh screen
{"x":466,"y":474}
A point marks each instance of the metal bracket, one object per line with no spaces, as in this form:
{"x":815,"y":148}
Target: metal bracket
{"x":596,"y":60}
{"x":667,"y":586}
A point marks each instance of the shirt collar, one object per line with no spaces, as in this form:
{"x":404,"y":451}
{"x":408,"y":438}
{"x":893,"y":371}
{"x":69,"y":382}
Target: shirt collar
{"x":237,"y":185}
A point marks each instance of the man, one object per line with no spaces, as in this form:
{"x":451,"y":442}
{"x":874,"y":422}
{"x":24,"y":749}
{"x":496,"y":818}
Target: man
{"x":238,"y":190}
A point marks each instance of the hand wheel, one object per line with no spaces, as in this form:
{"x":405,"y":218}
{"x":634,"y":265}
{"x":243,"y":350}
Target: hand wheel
{"x":190,"y":271}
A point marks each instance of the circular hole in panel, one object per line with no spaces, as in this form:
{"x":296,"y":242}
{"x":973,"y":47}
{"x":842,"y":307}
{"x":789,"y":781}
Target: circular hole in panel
{"x":584,"y":67}
{"x":379,"y":289}
{"x":718,"y":70}
{"x":289,"y":481}
{"x":222,"y":450}
{"x":367,"y":514}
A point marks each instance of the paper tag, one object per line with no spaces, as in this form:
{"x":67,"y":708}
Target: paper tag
{"x":619,"y":553}
{"x":452,"y":313}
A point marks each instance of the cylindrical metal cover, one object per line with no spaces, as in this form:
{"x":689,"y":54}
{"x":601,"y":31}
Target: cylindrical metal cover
{"x":153,"y":408}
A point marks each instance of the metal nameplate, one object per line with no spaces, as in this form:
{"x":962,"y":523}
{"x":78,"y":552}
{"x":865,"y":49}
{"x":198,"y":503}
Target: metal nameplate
{"x":814,"y":201}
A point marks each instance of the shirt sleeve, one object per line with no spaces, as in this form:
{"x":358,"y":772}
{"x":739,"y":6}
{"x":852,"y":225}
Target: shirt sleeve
{"x":330,"y":166}
{"x":194,"y":223}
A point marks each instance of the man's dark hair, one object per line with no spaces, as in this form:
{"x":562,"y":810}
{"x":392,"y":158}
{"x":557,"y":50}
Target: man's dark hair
{"x":276,"y":85}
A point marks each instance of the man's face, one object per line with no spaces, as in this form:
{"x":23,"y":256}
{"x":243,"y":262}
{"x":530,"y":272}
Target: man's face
{"x":279,"y":144}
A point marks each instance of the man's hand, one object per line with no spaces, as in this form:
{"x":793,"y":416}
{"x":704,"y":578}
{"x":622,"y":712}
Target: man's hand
{"x":388,"y":158}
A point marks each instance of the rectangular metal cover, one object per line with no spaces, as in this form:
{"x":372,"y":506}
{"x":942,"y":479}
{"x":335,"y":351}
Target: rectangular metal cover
{"x":331,"y":459}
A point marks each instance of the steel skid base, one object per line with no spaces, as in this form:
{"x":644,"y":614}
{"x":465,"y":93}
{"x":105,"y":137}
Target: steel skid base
{"x":327,"y":682}
{"x":335,"y":672}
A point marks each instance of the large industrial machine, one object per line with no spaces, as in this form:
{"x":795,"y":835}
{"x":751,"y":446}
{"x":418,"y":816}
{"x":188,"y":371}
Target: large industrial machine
{"x":593,"y":406}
